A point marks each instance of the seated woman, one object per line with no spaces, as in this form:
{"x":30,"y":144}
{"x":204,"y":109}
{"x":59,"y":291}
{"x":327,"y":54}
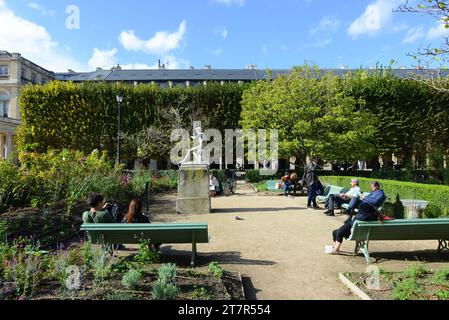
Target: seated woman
{"x":367,"y":212}
{"x":135,"y":213}
{"x":286,"y":183}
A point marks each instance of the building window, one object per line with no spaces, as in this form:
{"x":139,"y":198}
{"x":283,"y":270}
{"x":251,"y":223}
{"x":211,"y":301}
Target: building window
{"x":4,"y":108}
{"x":33,"y":78}
{"x":4,"y":71}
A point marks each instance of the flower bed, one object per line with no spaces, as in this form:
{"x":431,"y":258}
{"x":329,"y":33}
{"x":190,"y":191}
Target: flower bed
{"x":415,"y":283}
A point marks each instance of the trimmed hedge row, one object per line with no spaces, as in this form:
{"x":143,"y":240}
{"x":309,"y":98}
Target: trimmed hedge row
{"x":437,"y":177}
{"x":438,"y":196}
{"x":66,"y":115}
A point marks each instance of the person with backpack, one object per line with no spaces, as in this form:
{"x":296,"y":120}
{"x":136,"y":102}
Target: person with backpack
{"x":98,"y":212}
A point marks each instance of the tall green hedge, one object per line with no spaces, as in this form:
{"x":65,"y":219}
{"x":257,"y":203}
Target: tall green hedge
{"x":64,"y":115}
{"x":413,"y":118}
{"x":438,"y":196}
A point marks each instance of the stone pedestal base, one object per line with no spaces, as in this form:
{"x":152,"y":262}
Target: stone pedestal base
{"x":193,"y":190}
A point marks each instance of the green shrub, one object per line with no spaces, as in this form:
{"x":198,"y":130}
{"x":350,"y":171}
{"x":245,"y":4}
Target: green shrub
{"x":254,"y":176}
{"x":164,"y":291}
{"x":165,"y":288}
{"x":86,"y":251}
{"x":201,"y":294}
{"x":118,"y":296}
{"x":407,"y":289}
{"x":102,"y":265}
{"x":147,"y":254}
{"x":436,"y":195}
{"x":139,"y":179}
{"x":442,"y":294}
{"x":216,"y":270}
{"x":415,"y":271}
{"x":167,"y":272}
{"x":131,"y":279}
{"x":441,"y":277}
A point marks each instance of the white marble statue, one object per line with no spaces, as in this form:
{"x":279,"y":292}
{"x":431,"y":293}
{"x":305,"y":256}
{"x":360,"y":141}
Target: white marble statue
{"x":197,"y":151}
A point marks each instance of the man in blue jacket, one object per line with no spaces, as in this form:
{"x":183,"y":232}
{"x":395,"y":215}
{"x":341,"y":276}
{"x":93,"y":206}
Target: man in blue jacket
{"x":367,"y":212}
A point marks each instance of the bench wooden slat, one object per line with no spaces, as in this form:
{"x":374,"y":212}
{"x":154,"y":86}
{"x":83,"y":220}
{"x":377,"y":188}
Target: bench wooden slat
{"x":330,"y":189}
{"x":116,"y":233}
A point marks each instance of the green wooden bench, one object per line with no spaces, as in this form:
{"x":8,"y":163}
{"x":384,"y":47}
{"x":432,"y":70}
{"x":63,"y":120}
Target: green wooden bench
{"x":420,"y":229}
{"x":328,"y":190}
{"x":271,"y":185}
{"x":108,"y":234}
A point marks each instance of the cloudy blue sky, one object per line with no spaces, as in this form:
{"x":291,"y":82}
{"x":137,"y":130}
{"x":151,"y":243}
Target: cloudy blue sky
{"x":222,"y":33}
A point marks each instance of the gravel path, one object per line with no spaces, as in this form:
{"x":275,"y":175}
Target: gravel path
{"x":278,"y":247}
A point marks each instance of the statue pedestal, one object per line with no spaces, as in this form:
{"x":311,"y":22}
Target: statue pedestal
{"x":193,"y":190}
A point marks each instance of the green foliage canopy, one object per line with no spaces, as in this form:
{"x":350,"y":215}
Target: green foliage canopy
{"x":313,"y":116}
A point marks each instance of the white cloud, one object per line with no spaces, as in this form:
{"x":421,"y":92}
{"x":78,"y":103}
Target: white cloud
{"x":229,"y":3}
{"x":137,"y":66}
{"x":104,"y":59}
{"x":171,"y":62}
{"x":161,"y":43}
{"x":413,"y":35}
{"x":217,"y":52}
{"x":322,"y":43}
{"x":223,"y":32}
{"x":376,"y":17}
{"x":438,"y":32}
{"x":264,"y":49}
{"x":33,"y":42}
{"x":327,"y":25}
{"x":40,"y":8}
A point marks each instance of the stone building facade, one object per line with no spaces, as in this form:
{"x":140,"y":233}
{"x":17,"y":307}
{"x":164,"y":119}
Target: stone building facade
{"x":15,"y":72}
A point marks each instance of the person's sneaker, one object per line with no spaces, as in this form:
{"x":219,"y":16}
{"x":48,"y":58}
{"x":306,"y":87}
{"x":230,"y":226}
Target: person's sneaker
{"x":331,"y":250}
{"x":330,"y":214}
{"x":317,"y":208}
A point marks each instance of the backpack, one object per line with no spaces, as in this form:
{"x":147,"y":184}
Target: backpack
{"x":115,"y":213}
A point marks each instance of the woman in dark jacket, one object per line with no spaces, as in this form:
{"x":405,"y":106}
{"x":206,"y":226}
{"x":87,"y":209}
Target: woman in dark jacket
{"x":135,"y":214}
{"x":310,"y":179}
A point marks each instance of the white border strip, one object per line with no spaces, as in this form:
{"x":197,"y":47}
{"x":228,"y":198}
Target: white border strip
{"x":356,"y":290}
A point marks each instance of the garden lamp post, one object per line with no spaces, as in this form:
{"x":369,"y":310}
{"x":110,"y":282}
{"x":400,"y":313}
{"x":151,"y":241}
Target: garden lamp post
{"x":119,"y":101}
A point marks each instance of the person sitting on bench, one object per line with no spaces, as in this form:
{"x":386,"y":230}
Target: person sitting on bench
{"x":367,"y":212}
{"x":286,"y":183}
{"x":98,"y":212}
{"x":135,"y":213}
{"x":351,"y":197}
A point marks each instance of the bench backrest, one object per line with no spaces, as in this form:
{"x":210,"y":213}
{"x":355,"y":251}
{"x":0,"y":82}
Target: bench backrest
{"x":333,"y":190}
{"x":116,"y":233}
{"x":401,"y":229}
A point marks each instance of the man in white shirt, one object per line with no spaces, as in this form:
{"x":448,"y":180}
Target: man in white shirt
{"x":351,"y":197}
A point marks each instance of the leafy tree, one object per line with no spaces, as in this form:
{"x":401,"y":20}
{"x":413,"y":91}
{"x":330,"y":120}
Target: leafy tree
{"x":313,"y":115}
{"x":439,"y":10}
